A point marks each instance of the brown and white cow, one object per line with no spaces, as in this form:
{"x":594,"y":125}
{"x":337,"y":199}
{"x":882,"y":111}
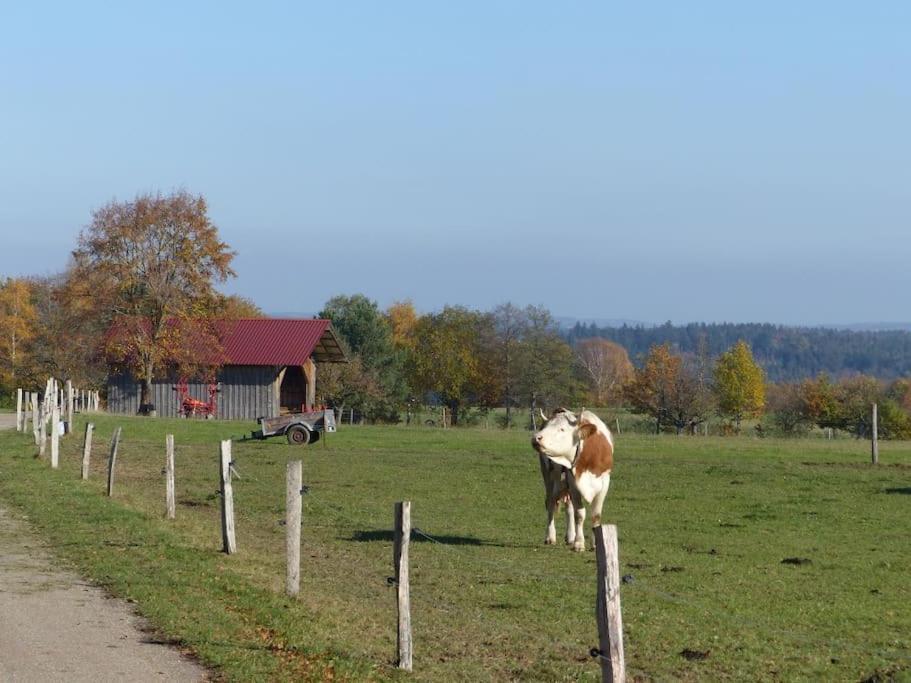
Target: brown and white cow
{"x":584,"y":448}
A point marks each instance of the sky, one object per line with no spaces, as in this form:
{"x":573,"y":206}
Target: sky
{"x":684,"y":161}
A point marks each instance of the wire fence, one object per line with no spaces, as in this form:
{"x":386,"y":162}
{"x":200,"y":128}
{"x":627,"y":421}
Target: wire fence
{"x":838,"y":647}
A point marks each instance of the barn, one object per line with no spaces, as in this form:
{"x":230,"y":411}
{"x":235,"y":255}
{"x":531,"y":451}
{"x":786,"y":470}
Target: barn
{"x":270,"y":369}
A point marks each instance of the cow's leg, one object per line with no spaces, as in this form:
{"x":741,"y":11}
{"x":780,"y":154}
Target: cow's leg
{"x":579,"y":514}
{"x":570,"y":522}
{"x":550,"y":502}
{"x":598,"y":500}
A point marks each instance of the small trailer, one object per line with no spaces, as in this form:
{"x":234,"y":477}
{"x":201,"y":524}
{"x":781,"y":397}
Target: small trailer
{"x":299,"y":428}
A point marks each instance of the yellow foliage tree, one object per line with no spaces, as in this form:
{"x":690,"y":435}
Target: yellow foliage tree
{"x":446,"y":358}
{"x":402,"y":320}
{"x":739,"y":384}
{"x":17,"y":326}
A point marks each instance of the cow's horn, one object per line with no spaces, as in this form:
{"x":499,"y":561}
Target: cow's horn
{"x":543,"y":416}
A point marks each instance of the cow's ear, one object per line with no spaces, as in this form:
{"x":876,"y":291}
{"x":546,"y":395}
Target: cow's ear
{"x":586,"y":430}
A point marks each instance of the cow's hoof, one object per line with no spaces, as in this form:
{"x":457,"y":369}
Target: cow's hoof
{"x":578,"y":547}
{"x":550,"y":541}
{"x":570,"y":541}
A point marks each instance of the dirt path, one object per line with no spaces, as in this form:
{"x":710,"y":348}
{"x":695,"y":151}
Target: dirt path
{"x":56,"y":627}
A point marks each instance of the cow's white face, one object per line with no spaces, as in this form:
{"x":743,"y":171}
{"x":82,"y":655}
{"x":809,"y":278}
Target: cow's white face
{"x":559,"y":438}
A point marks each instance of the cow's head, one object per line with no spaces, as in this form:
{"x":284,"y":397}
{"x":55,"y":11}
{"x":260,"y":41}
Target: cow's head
{"x":559,"y":437}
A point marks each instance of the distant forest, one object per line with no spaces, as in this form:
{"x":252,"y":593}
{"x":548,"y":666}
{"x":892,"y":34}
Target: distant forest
{"x":786,"y":353}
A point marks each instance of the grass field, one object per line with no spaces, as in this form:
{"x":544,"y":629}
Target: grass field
{"x":704,"y":525}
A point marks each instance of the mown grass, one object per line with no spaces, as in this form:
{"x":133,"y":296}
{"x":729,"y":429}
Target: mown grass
{"x":704,"y":526}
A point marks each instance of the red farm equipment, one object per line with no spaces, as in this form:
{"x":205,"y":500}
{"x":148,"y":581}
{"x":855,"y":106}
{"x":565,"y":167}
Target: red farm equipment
{"x":193,"y":407}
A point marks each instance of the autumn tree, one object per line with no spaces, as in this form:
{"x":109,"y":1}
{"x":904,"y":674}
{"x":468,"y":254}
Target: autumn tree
{"x":505,"y":336}
{"x":856,"y":396}
{"x":349,"y":384}
{"x":402,"y":319}
{"x":18,"y":321}
{"x":66,"y":313}
{"x":544,"y":364}
{"x":236,"y":307}
{"x":900,"y":392}
{"x":150,"y":266}
{"x":606,"y":367}
{"x":671,"y":389}
{"x":446,"y":360}
{"x":739,"y":384}
{"x":788,"y":409}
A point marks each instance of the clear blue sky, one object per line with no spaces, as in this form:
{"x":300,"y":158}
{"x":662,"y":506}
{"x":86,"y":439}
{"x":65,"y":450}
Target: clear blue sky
{"x":743,"y":161}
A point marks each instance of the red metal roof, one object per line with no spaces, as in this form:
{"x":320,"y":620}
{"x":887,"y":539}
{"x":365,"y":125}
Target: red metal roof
{"x":279,"y":341}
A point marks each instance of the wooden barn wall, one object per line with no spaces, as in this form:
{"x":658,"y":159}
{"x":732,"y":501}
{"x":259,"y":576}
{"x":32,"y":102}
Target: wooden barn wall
{"x":247,"y":392}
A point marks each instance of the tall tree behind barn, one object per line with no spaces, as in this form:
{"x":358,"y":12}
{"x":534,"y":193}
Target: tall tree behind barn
{"x":148,"y":262}
{"x":269,"y":369}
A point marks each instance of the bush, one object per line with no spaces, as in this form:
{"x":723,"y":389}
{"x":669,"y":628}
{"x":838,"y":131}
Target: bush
{"x":893,"y":422}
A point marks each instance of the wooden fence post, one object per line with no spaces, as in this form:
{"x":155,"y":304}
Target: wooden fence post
{"x":229,"y":544}
{"x":36,"y":419}
{"x":18,"y":410}
{"x":874,"y":445}
{"x":293,"y":505}
{"x":70,"y":398}
{"x":87,"y":449}
{"x":112,"y":460}
{"x":55,"y":436}
{"x":401,"y":542}
{"x":26,"y":411}
{"x":169,"y":477}
{"x":607,"y":606}
{"x":42,"y":434}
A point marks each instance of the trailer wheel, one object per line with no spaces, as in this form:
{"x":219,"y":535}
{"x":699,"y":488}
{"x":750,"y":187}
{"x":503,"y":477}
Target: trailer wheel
{"x":297,"y":435}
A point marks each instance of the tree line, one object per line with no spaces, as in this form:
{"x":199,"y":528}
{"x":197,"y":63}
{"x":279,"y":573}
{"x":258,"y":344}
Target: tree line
{"x":785,"y":353}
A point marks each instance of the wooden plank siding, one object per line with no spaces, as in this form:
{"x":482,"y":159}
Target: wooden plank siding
{"x":247,"y":392}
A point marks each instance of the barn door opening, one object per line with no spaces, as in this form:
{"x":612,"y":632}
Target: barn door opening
{"x":293,"y":392}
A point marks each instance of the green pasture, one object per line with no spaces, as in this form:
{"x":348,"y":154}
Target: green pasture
{"x":705,"y":524}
